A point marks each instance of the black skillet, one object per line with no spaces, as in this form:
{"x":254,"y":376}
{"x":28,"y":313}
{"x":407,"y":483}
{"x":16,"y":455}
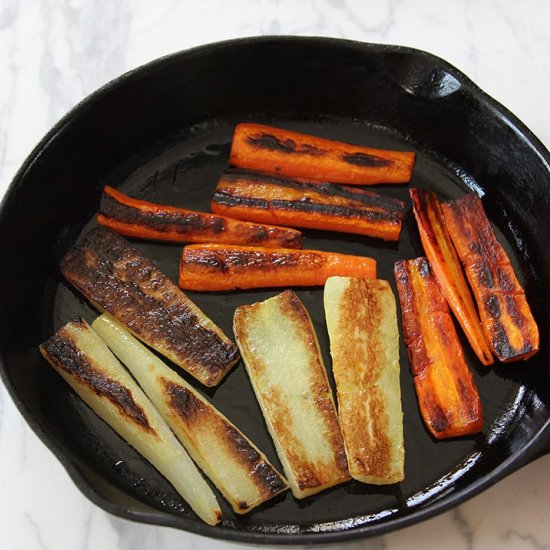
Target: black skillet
{"x":162,"y":132}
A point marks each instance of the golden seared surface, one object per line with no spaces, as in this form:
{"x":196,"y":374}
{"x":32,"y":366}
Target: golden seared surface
{"x":281,"y":353}
{"x":119,"y":279}
{"x":242,"y":470}
{"x":239,"y":470}
{"x":83,"y":359}
{"x":364,"y":345}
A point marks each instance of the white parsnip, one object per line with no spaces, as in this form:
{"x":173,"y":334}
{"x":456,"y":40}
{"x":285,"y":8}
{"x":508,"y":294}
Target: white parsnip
{"x":238,"y":468}
{"x":280,"y":350}
{"x":81,"y":357}
{"x":364,"y":345}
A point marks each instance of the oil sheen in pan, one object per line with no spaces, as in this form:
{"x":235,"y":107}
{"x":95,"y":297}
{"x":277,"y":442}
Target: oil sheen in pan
{"x":183,"y":171}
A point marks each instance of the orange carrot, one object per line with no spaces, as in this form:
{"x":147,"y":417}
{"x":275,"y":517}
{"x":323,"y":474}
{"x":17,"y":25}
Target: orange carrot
{"x":274,"y":150}
{"x":146,"y":220}
{"x":448,"y":271}
{"x":447,"y":395}
{"x":271,"y":199}
{"x":505,"y":315}
{"x":212,"y":267}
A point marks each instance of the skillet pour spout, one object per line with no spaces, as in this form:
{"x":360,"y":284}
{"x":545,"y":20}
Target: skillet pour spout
{"x":162,"y":133}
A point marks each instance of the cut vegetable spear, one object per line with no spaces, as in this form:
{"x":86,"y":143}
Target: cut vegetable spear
{"x":448,"y":270}
{"x":283,"y":201}
{"x":146,"y":220}
{"x":79,"y":355}
{"x":117,"y":278}
{"x":364,"y":345}
{"x":239,"y":470}
{"x":266,"y":149}
{"x":505,"y":315}
{"x":283,"y":360}
{"x":448,"y":398}
{"x":205,"y":267}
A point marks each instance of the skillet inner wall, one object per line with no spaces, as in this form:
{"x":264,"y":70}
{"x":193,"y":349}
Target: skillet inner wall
{"x":163,"y":135}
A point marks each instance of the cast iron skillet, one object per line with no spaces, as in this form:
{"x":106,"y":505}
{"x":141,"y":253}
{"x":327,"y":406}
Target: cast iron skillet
{"x":162,"y":132}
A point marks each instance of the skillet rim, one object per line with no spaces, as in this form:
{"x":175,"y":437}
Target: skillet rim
{"x":537,"y":446}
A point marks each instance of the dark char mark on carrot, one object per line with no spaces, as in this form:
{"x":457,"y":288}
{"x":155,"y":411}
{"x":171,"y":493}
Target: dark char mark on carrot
{"x":362,"y":159}
{"x":227,"y":199}
{"x":304,"y":206}
{"x":266,"y":261}
{"x":500,"y":339}
{"x":160,"y":221}
{"x":389,"y":209}
{"x":272,"y":143}
{"x":438,"y":419}
{"x":326,"y":189}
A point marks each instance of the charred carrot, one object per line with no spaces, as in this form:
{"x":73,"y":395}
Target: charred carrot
{"x":213,"y":267}
{"x":447,"y":395}
{"x":505,"y":315}
{"x":448,"y":270}
{"x":146,"y":220}
{"x":277,"y":151}
{"x":271,"y":199}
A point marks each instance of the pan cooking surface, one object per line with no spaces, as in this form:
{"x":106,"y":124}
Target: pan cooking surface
{"x":185,"y":174}
{"x":174,"y":155}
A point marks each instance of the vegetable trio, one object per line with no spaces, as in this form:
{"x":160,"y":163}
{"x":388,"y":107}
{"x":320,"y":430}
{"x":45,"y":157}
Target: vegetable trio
{"x":281,"y":179}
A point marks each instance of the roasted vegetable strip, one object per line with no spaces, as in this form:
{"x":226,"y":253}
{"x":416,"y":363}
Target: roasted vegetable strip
{"x":146,"y":220}
{"x":268,"y":199}
{"x":214,"y":267}
{"x":448,"y":270}
{"x":119,"y":279}
{"x":277,"y":151}
{"x":239,"y":470}
{"x":282,"y":358}
{"x":505,"y":315}
{"x":447,"y":395}
{"x":364,"y":345}
{"x":79,"y":355}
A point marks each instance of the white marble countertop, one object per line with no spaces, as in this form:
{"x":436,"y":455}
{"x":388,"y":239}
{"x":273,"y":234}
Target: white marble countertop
{"x":53,"y":53}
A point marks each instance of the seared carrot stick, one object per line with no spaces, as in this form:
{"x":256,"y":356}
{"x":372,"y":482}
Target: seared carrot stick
{"x":274,"y":150}
{"x":213,"y":267}
{"x":271,"y":199}
{"x":448,"y":271}
{"x":146,"y":220}
{"x":447,"y":395}
{"x":505,"y":315}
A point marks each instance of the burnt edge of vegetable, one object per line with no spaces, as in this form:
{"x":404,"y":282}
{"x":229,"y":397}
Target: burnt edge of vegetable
{"x":288,"y":146}
{"x":365,"y":160}
{"x":64,"y":352}
{"x":162,"y":221}
{"x":265,"y":260}
{"x":94,"y":267}
{"x":368,"y":204}
{"x":190,"y":408}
